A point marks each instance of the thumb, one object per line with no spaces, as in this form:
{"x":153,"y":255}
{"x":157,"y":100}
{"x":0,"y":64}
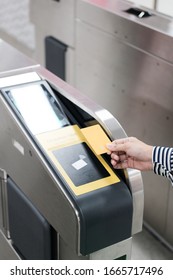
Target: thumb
{"x":113,"y":147}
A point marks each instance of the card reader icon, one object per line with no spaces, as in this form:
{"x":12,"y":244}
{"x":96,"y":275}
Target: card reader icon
{"x":80,"y":163}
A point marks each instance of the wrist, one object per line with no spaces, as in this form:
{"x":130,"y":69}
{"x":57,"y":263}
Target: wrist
{"x":149,"y":154}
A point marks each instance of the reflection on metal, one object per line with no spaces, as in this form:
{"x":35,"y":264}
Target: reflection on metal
{"x":19,"y":79}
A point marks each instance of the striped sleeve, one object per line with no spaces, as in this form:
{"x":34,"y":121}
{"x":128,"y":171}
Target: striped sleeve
{"x":162,"y":158}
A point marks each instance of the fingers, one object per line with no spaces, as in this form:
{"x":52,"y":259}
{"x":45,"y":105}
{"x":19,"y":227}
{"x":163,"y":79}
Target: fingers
{"x":118,"y":145}
{"x":115,"y":147}
{"x":117,"y":151}
{"x":119,"y":164}
{"x":119,"y":161}
{"x":121,"y":141}
{"x":119,"y":156}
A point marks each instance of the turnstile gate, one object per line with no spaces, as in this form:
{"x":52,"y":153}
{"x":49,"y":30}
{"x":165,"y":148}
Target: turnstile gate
{"x":60,"y":197}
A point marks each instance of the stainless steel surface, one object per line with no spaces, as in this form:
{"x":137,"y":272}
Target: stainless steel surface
{"x":7,"y":252}
{"x":19,"y":60}
{"x":60,"y":23}
{"x":136,"y":184}
{"x":114,"y":252}
{"x":129,"y":28}
{"x":125,"y":64}
{"x":33,"y":174}
{"x":19,"y":79}
{"x":59,"y":18}
{"x":169,"y":217}
{"x":165,"y":7}
{"x":65,"y":252}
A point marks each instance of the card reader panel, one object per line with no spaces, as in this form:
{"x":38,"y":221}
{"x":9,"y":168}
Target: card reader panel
{"x":72,"y":155}
{"x":80,"y":163}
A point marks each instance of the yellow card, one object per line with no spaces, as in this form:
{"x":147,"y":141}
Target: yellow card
{"x":97,"y":138}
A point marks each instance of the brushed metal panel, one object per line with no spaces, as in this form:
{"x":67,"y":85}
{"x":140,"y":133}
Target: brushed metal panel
{"x":136,"y":184}
{"x":7,"y":252}
{"x":19,"y":60}
{"x":65,"y":252}
{"x":55,"y":18}
{"x":114,"y":73}
{"x":114,"y":252}
{"x":40,"y":35}
{"x":40,"y":45}
{"x":169,"y":223}
{"x":136,"y":87}
{"x":153,"y":34}
{"x":156,"y":191}
{"x":165,"y":6}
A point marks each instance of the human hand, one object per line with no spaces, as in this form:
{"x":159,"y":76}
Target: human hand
{"x":130,"y":153}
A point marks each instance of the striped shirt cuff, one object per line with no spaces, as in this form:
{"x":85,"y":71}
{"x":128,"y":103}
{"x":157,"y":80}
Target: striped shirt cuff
{"x":162,"y":158}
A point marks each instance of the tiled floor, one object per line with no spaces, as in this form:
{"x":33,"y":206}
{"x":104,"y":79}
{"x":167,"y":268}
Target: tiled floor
{"x":145,"y":246}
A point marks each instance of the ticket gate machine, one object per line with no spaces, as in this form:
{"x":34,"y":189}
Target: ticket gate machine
{"x":60,"y":197}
